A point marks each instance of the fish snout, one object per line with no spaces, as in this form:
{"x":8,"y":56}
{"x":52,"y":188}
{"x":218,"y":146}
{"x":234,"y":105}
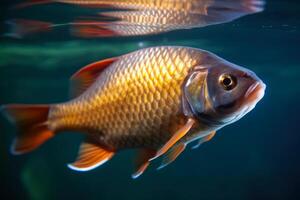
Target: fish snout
{"x":255,"y":92}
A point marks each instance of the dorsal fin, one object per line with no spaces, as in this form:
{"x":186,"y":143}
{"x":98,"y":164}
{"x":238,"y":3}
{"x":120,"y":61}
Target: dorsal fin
{"x":86,"y":76}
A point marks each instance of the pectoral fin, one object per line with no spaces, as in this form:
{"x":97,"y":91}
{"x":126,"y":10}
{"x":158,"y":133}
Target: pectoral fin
{"x":90,"y":156}
{"x":142,"y":162}
{"x":175,"y":138}
{"x":171,"y":155}
{"x":204,"y":139}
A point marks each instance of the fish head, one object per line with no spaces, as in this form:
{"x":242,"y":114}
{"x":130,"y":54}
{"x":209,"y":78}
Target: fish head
{"x":218,"y":92}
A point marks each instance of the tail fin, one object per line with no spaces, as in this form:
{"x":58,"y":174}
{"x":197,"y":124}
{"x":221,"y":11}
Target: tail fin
{"x":31,"y":122}
{"x":21,"y":27}
{"x":29,"y":3}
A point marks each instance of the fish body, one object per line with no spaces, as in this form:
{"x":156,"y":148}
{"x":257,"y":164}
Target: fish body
{"x":152,"y":17}
{"x":135,"y":102}
{"x":192,"y":6}
{"x":156,"y":100}
{"x":182,"y":5}
{"x":142,"y":22}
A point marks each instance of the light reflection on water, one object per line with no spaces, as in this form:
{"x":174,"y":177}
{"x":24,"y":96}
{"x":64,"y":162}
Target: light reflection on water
{"x":140,"y":17}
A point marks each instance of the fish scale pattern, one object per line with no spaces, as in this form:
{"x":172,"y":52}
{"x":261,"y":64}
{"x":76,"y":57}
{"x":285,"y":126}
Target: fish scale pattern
{"x":181,"y":5}
{"x":150,"y":21}
{"x":135,"y":102}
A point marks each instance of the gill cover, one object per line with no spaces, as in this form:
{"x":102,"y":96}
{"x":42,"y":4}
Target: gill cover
{"x":195,"y":92}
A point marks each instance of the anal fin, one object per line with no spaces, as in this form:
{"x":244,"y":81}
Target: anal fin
{"x":90,"y":156}
{"x":172,"y":154}
{"x":142,"y":162}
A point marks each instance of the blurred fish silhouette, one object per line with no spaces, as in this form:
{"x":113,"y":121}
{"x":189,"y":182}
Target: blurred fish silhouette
{"x":147,"y":17}
{"x":156,"y":100}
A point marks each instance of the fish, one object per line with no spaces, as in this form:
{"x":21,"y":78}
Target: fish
{"x":125,"y":4}
{"x":133,"y":18}
{"x":155,"y":100}
{"x":194,"y":6}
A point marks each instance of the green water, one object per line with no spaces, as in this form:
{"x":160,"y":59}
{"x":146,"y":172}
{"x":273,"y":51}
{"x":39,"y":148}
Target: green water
{"x":254,"y":158}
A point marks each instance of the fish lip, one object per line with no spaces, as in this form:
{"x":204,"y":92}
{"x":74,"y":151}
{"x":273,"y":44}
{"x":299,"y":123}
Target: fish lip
{"x":253,"y":95}
{"x":255,"y":92}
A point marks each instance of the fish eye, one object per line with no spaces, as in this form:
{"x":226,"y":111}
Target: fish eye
{"x":227,"y":81}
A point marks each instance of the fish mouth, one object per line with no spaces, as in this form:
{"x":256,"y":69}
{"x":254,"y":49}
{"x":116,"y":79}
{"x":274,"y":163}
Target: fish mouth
{"x":253,"y":95}
{"x":255,"y":92}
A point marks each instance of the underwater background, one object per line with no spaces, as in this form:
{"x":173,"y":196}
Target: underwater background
{"x":254,"y":158}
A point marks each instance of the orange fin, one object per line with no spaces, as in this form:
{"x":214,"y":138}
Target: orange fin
{"x":29,"y":3}
{"x":86,"y":76}
{"x":171,"y":155}
{"x":175,"y":138}
{"x":90,"y":156}
{"x":142,"y":162}
{"x":31,"y":122}
{"x":204,"y":139}
{"x":92,"y":29}
{"x":22,"y":27}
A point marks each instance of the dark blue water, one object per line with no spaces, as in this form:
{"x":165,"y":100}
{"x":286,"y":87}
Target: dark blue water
{"x":254,"y":158}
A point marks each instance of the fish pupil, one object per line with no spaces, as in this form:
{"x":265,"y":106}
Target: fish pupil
{"x":228,"y":81}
